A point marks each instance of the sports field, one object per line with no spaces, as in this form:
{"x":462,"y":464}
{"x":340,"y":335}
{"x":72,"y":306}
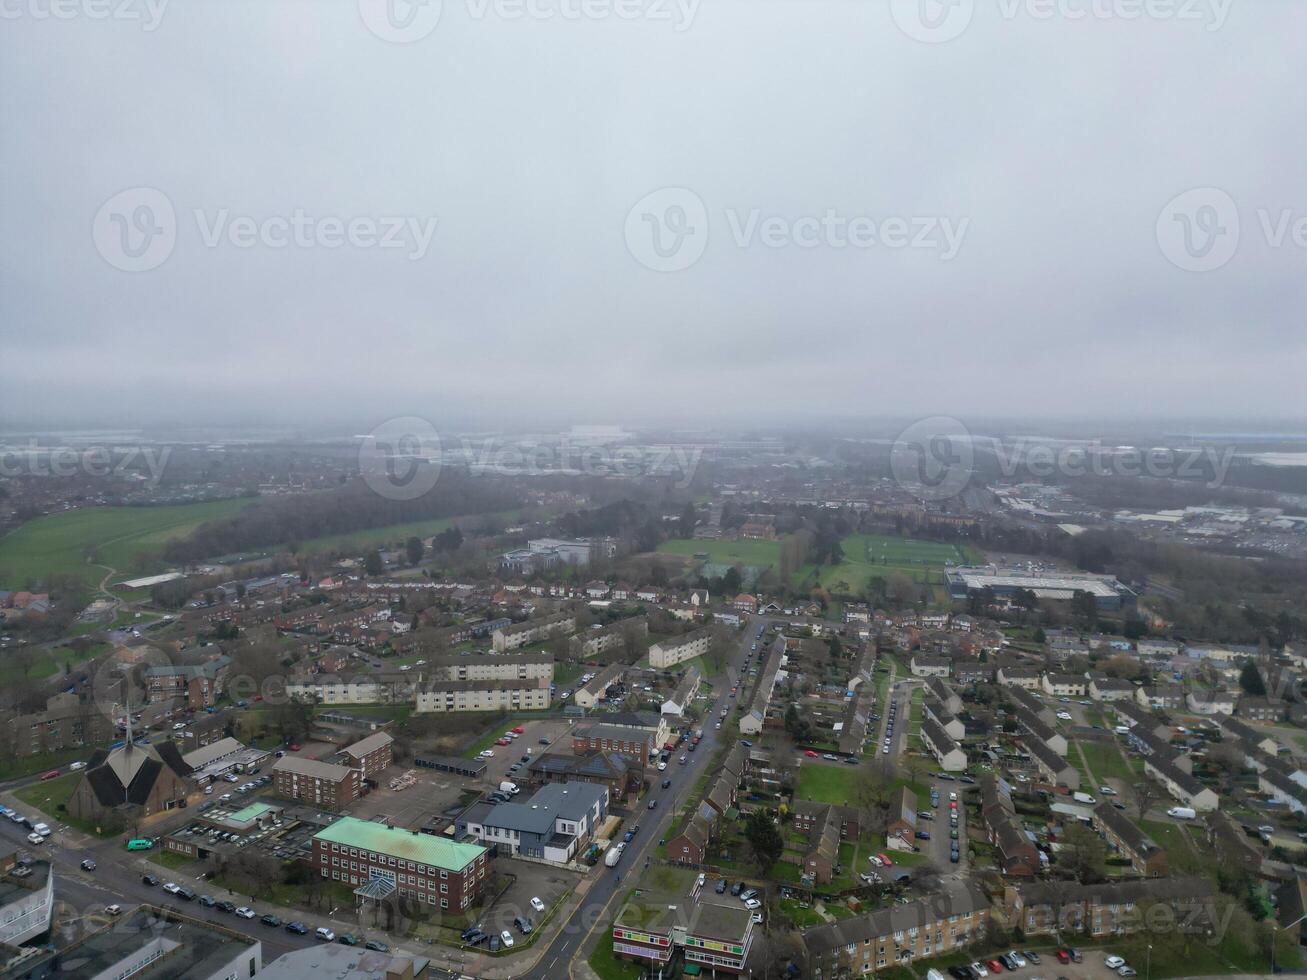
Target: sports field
{"x":115,"y":536}
{"x":868,"y":556}
{"x":758,"y":554}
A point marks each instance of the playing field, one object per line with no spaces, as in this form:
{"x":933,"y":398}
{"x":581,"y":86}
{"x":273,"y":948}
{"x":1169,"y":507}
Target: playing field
{"x":868,"y":556}
{"x":758,"y":554}
{"x":118,"y":536}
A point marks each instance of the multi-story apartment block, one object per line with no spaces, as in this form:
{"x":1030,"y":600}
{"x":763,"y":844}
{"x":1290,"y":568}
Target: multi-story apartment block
{"x":678,"y":649}
{"x":372,"y":754}
{"x":522,"y":666}
{"x":200,"y":685}
{"x":899,"y":934}
{"x":679,"y":912}
{"x":509,"y":695}
{"x":322,"y":784}
{"x":67,"y":722}
{"x":532,"y":631}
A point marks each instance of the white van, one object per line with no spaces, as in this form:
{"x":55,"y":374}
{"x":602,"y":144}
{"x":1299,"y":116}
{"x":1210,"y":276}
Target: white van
{"x":43,"y":830}
{"x":1182,"y":813}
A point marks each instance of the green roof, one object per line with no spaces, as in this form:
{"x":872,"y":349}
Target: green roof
{"x":249,"y":813}
{"x":438,"y":852}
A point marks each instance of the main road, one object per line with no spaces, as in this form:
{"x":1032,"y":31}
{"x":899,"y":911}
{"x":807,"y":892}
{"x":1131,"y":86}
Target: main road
{"x":598,"y":905}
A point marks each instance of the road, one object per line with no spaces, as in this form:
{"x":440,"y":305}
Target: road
{"x":598,"y":904}
{"x":118,"y":881}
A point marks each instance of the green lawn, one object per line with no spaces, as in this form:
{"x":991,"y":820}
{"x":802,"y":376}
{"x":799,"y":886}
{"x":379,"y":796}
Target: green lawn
{"x":388,"y":534}
{"x":49,"y":796}
{"x":608,"y":966}
{"x":59,"y":543}
{"x":759,"y":554}
{"x":825,"y":784}
{"x":49,"y":662}
{"x":28,"y":765}
{"x":868,"y":556}
{"x":1106,"y":760}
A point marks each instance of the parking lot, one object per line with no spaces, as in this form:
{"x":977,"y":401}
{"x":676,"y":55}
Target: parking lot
{"x":506,"y":756}
{"x":532,"y":880}
{"x":1092,"y":967}
{"x":432,"y":793}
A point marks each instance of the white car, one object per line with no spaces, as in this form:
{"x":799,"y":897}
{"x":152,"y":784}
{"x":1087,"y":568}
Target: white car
{"x":487,"y":753}
{"x":876,"y":861}
{"x":752,"y":903}
{"x":662,"y":766}
{"x":979,"y":970}
{"x":326,"y":934}
{"x":1112,"y":962}
{"x":245,"y":912}
{"x":113,"y":910}
{"x":1064,"y":715}
{"x":506,"y":938}
{"x":1017,"y":958}
{"x":538,"y":905}
{"x":952,"y":795}
{"x":171,"y":888}
{"x":74,"y":766}
{"x":35,"y":839}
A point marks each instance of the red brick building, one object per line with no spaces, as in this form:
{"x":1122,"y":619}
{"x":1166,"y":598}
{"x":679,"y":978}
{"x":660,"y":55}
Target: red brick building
{"x":319,"y":783}
{"x":372,"y":754}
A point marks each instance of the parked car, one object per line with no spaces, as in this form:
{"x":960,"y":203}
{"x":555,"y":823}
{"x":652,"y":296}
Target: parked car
{"x":245,"y":912}
{"x":298,"y":928}
{"x":523,"y":924}
{"x":506,"y":938}
{"x":325,"y":934}
{"x":225,"y":906}
{"x":113,"y":910}
{"x":377,"y":946}
{"x":88,"y":865}
{"x":150,"y":880}
{"x":538,"y":905}
{"x":271,"y":920}
{"x":721,"y":886}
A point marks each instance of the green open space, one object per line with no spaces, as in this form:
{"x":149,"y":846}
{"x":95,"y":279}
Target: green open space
{"x":127,"y":539}
{"x":758,"y":554}
{"x":871,"y":556}
{"x":388,"y":534}
{"x":47,"y":662}
{"x":48,"y":795}
{"x":29,"y":765}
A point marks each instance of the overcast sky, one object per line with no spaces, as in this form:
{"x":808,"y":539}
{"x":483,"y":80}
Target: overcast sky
{"x":983,"y":223}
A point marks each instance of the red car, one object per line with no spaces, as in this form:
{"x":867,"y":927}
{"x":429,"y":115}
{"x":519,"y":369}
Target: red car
{"x":501,"y":741}
{"x":953,"y":804}
{"x":1063,"y":956}
{"x":294,"y":746}
{"x":885,"y":858}
{"x":995,"y":966}
{"x":810,"y":754}
{"x":518,"y":730}
{"x":52,"y":774}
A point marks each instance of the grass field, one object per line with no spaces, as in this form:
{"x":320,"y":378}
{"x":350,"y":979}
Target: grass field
{"x":60,"y":543}
{"x":759,"y":554}
{"x":389,"y":534}
{"x":868,"y":556}
{"x":48,"y":662}
{"x":56,"y":791}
